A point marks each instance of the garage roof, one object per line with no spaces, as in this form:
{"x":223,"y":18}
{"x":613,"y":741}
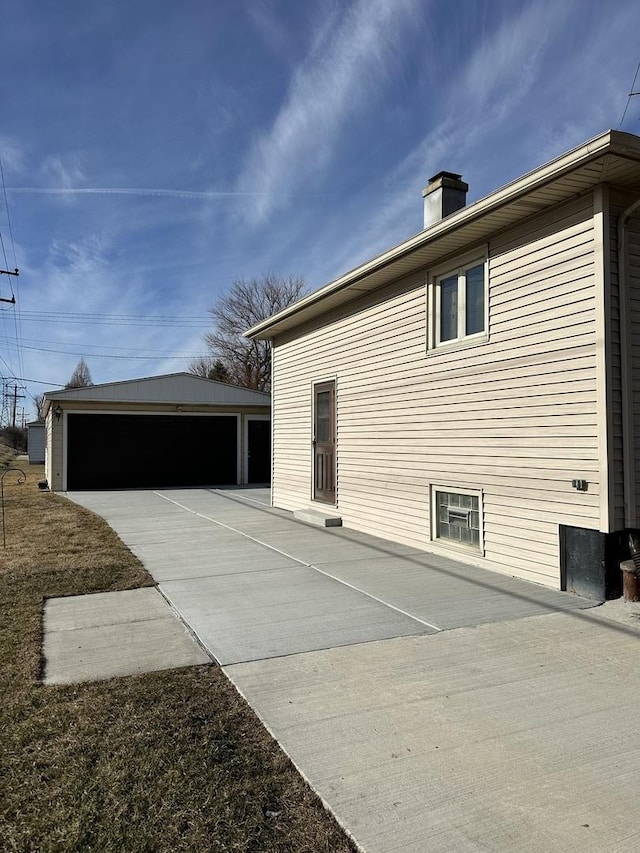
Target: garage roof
{"x":176,"y":388}
{"x":613,"y":157}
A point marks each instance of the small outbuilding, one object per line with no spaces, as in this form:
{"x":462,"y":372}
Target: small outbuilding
{"x":36,"y":441}
{"x":163,"y":431}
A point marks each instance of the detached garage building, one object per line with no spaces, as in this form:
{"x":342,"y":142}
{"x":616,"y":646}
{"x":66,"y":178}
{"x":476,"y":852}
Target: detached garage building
{"x":173,"y":430}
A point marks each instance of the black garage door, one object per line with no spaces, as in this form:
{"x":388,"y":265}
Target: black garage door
{"x":150,"y":451}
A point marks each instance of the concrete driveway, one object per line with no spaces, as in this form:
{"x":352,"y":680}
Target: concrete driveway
{"x":432,"y":706}
{"x":254,"y":583}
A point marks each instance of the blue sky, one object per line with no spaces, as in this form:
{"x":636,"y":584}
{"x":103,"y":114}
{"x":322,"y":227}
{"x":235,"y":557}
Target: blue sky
{"x":154,"y":150}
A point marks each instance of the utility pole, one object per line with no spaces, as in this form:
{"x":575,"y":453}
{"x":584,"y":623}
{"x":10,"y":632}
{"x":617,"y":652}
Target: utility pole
{"x":16,"y":397}
{"x":12,"y":301}
{"x":4,"y":415}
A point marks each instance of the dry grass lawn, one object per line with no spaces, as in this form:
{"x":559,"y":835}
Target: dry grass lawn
{"x":7,"y":456}
{"x":170,"y":761}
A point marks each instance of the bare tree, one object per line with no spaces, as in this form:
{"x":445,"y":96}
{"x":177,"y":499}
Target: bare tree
{"x":209,"y":368}
{"x":81,"y":376}
{"x":248,"y":363}
{"x":39,"y":401}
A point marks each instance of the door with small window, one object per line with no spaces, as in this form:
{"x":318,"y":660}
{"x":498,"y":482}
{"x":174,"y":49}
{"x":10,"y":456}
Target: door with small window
{"x":324,"y":440}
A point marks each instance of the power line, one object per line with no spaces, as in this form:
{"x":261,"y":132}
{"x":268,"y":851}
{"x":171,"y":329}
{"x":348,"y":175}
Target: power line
{"x":16,"y":310}
{"x":148,"y":320}
{"x":16,"y":322}
{"x":6,"y":364}
{"x":112,"y":355}
{"x":82,"y":314}
{"x":168,"y":317}
{"x":631,"y":94}
{"x":4,"y":252}
{"x":37,"y":382}
{"x":7,"y":338}
{"x":87,"y":347}
{"x":6,"y":204}
{"x":10,"y":397}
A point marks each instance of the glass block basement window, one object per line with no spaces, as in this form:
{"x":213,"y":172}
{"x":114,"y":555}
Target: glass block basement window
{"x":458,"y":518}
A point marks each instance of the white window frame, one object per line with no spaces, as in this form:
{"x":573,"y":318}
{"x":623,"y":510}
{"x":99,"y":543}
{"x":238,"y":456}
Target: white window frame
{"x":459,"y":270}
{"x":450,"y":543}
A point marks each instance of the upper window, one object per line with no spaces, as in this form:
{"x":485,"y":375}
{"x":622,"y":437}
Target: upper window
{"x":459,"y":303}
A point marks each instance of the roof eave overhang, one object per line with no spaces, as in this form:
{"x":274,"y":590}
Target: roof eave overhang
{"x":466,"y":225}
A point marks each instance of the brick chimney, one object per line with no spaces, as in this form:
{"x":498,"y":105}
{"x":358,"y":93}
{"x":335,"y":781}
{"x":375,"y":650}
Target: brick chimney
{"x":444,"y":194}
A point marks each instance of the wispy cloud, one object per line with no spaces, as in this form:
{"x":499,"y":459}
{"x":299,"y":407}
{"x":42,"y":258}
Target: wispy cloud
{"x":265,"y":19}
{"x":319,"y":121}
{"x":71,"y":262}
{"x":343,"y":73}
{"x":133,"y":191}
{"x":510,"y":55}
{"x":87,"y":275}
{"x":12,"y":154}
{"x":471,"y":113}
{"x":66,"y":174}
{"x":499,"y":75}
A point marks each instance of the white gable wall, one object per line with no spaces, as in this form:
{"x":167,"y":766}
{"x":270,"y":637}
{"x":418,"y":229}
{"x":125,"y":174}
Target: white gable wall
{"x":515,"y":417}
{"x":172,"y":388}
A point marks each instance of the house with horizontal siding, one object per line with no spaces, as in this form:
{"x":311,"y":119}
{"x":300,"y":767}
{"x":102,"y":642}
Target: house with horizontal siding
{"x":475,"y":390}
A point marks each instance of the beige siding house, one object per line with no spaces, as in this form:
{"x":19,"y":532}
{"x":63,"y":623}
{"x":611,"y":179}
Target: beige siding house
{"x":475,"y":391}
